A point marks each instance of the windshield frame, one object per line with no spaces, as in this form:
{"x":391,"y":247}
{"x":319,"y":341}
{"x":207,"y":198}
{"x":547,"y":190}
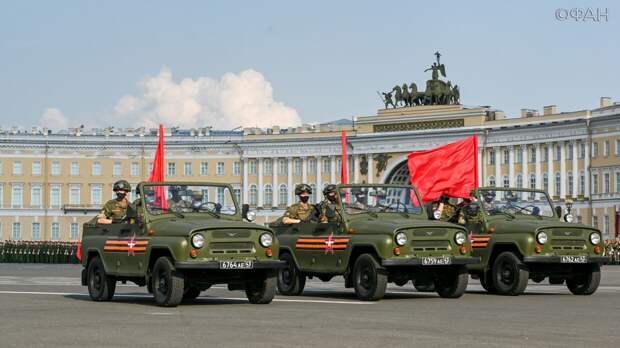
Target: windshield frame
{"x":515,"y":189}
{"x":341,"y":187}
{"x":205,"y":213}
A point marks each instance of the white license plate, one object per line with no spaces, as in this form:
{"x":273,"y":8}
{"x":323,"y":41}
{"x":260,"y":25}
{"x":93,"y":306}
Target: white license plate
{"x":236,"y":265}
{"x":430,"y":261}
{"x":573,"y":259}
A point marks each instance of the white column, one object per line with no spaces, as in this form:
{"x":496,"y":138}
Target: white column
{"x":356,"y":169}
{"x":562,"y":170}
{"x":586,"y":169}
{"x":319,"y":186}
{"x":304,"y":170}
{"x":511,"y":166}
{"x":538,"y":168}
{"x":524,"y":164}
{"x":550,"y":177}
{"x":480,"y":164}
{"x":289,"y":184}
{"x":245,"y":181}
{"x":575,"y":171}
{"x":275,"y":189}
{"x":261,"y":192}
{"x":332,"y":171}
{"x":498,"y":168}
{"x":370,"y":167}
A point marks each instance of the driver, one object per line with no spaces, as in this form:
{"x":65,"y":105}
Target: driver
{"x":487,"y":200}
{"x":330,"y":208}
{"x":115,"y":209}
{"x":360,"y":199}
{"x":301,"y":211}
{"x":176,"y":202}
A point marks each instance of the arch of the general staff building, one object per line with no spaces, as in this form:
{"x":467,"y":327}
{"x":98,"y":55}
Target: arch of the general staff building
{"x":50,"y":183}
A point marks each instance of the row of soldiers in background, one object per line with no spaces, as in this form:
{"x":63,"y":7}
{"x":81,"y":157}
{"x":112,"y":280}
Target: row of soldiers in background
{"x":612,"y":249}
{"x":38,"y":252}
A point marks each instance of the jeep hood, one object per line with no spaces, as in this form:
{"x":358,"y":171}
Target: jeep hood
{"x":388,"y":226}
{"x":184,"y":226}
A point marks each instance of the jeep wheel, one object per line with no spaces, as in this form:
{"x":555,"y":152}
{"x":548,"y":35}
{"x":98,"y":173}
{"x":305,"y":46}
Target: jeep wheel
{"x":510,"y":275}
{"x":585,"y":283}
{"x":290,"y":280}
{"x":453,"y":283}
{"x":167,"y":283}
{"x":101,"y":286}
{"x":486,"y":280}
{"x":262,"y":291}
{"x":369,"y":280}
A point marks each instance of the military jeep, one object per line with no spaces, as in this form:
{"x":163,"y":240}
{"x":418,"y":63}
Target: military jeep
{"x":179,"y":239}
{"x":519,"y":235}
{"x":383,"y":235}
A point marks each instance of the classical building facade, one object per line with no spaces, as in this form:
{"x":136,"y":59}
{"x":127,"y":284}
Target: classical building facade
{"x":51,"y":183}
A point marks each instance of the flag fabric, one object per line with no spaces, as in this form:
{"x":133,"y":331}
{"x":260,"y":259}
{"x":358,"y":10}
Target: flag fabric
{"x":78,"y":253}
{"x":344,"y":166}
{"x":157,"y":174}
{"x":451,"y":169}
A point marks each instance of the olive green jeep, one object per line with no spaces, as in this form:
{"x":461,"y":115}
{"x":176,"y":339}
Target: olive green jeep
{"x":519,"y":235}
{"x":380,"y":234}
{"x":178,"y":239}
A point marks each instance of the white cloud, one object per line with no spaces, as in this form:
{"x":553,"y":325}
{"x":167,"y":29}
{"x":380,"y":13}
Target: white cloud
{"x":244,"y":99}
{"x":53,"y":118}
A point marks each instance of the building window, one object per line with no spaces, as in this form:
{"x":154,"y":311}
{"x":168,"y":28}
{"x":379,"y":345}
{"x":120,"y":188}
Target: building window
{"x":570,"y":183}
{"x":558,"y":153}
{"x":606,"y":226}
{"x":492,"y":181}
{"x":55,"y":231}
{"x":506,"y":156}
{"x":582,"y":150}
{"x":268,"y":170}
{"x":327,"y":165}
{"x":253,"y":195}
{"x":219,"y":170}
{"x":55,"y":196}
{"x":617,"y":147}
{"x":96,"y":194}
{"x":569,"y":152}
{"x":16,"y":233}
{"x":17,"y":196}
{"x":314,"y":193}
{"x":35,"y":196}
{"x":205,"y":195}
{"x":594,"y":221}
{"x":283,"y":196}
{"x":135,"y":169}
{"x":187,"y":169}
{"x":268,"y":195}
{"x":55,"y":168}
{"x":150,"y":167}
{"x":582,"y":183}
{"x":605,"y":182}
{"x":36,"y":231}
{"x":220,"y":195}
{"x":617,"y":182}
{"x":519,"y":157}
{"x":74,"y":195}
{"x":36,"y":168}
{"x":594,"y":183}
{"x":96,"y":169}
{"x":519,"y":181}
{"x":17,"y":168}
{"x":594,"y":149}
{"x":506,"y":182}
{"x":172,"y":169}
{"x":606,"y":148}
{"x":339,"y":166}
{"x":117,"y":169}
{"x":558,"y":184}
{"x":545,"y":183}
{"x":297,"y":167}
{"x":237,"y":193}
{"x":74,"y":234}
{"x":74,"y":169}
{"x":312,"y":166}
{"x":282,"y":167}
{"x":545,"y":153}
{"x":491,"y":154}
{"x":204,"y":168}
{"x":532,"y":181}
{"x":532,"y":154}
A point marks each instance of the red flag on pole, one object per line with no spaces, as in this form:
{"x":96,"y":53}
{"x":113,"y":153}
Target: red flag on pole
{"x":451,"y":169}
{"x":78,"y":253}
{"x":157,"y":175}
{"x":344,"y":167}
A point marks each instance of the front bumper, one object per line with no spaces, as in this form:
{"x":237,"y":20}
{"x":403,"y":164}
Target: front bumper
{"x":417,"y":261}
{"x":198,"y":265}
{"x":557,"y":259}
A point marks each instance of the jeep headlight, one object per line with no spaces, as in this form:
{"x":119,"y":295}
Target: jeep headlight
{"x":401,"y":238}
{"x":541,"y":238}
{"x":198,"y":241}
{"x":437,"y":214}
{"x":460,"y":238}
{"x":569,"y":218}
{"x":266,"y":240}
{"x":595,"y":238}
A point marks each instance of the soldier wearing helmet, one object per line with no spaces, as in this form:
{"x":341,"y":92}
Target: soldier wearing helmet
{"x":115,"y":209}
{"x":301,"y":211}
{"x":330,"y":208}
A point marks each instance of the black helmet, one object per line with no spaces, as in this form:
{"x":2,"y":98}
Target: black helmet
{"x":299,"y":189}
{"x":489,"y":196}
{"x":329,"y":189}
{"x":138,"y":190}
{"x":121,"y":185}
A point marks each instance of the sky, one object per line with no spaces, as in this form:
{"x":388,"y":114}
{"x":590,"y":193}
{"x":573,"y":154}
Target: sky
{"x":257,"y":63}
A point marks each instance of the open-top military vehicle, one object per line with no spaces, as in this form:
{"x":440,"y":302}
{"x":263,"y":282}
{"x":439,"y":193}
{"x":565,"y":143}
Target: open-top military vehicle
{"x":178,"y":240}
{"x":519,"y":235}
{"x":383,"y":235}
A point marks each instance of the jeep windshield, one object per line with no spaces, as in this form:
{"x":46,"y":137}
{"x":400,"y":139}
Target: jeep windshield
{"x":515,"y":202}
{"x":379,"y":199}
{"x":181,"y":199}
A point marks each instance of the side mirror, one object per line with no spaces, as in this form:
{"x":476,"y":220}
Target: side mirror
{"x":558,"y":211}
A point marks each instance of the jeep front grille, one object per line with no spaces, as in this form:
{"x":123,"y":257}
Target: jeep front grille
{"x":567,"y":233}
{"x":568,"y":244}
{"x":430,"y":245}
{"x":231,"y":248}
{"x":430,"y":232}
{"x":232,"y":233}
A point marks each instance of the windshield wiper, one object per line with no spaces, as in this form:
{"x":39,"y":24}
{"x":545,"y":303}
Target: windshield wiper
{"x":176,"y":213}
{"x":214,"y":214}
{"x":503,"y":212}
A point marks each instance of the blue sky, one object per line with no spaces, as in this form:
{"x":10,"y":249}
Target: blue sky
{"x":324,"y":59}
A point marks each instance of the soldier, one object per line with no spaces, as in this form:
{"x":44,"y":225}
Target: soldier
{"x":488,"y":198}
{"x":301,"y":211}
{"x":115,"y":209}
{"x":361,"y":203}
{"x":176,"y":202}
{"x":330,"y":208}
{"x":445,"y":209}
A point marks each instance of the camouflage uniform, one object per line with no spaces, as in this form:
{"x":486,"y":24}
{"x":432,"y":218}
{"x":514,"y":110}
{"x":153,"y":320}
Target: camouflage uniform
{"x":323,"y":208}
{"x":115,"y":209}
{"x":448,"y":212}
{"x":299,"y":211}
{"x":179,"y":205}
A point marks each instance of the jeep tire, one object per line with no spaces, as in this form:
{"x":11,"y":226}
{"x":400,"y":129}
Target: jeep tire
{"x":290,"y":280}
{"x":453,"y":283}
{"x":101,"y":286}
{"x":263,"y":290}
{"x":168,"y":284}
{"x":510,"y":275}
{"x":369,"y":279}
{"x":585,"y":283}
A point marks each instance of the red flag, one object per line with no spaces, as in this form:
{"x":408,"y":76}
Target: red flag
{"x":451,"y":169}
{"x":157,"y":175}
{"x":344,"y":167}
{"x":78,"y":253}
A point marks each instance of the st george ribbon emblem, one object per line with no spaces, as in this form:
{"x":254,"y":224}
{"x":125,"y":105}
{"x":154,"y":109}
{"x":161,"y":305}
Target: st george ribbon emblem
{"x":329,"y":243}
{"x":131,"y":245}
